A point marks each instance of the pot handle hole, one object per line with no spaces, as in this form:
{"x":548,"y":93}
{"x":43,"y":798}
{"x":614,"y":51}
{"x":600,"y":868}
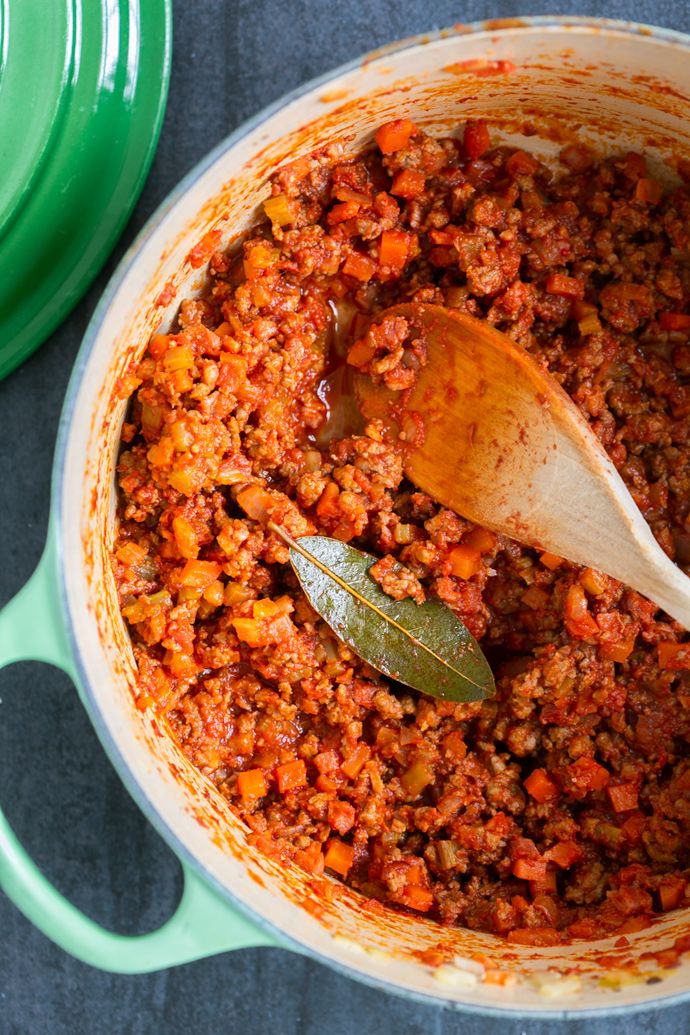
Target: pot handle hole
{"x":32,"y":628}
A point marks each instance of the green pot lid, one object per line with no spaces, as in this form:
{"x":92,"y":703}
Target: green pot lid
{"x":83,"y":85}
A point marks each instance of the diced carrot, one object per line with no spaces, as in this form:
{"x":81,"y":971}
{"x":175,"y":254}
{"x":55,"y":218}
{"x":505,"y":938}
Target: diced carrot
{"x":353,"y":765}
{"x":291,"y":776}
{"x":635,"y":923}
{"x":215,"y":593}
{"x":179,"y":358}
{"x":180,"y":665}
{"x":465,"y":561}
{"x":475,"y":139}
{"x":540,"y":786}
{"x":131,"y":554}
{"x":256,"y":502}
{"x":674,"y":657}
{"x":252,"y":784}
{"x":325,"y":784}
{"x":311,"y":858}
{"x":233,"y":371}
{"x":454,"y":745}
{"x":251,"y":631}
{"x":395,"y":135}
{"x":560,"y":284}
{"x":671,"y":892}
{"x":181,"y":381}
{"x":344,"y":193}
{"x":521,"y":163}
{"x":593,"y":581}
{"x":416,"y":897}
{"x":417,"y":777}
{"x":267,"y":608}
{"x":261,"y":293}
{"x":633,"y":827}
{"x":199,"y":574}
{"x":530,"y":869}
{"x":619,"y":652}
{"x":550,"y":560}
{"x":159,"y":345}
{"x":623,"y":796}
{"x":185,"y":538}
{"x":341,"y":213}
{"x":588,"y":775}
{"x":327,"y":506}
{"x":236,"y":593}
{"x":339,"y":856}
{"x":590,"y":324}
{"x":359,"y":266}
{"x":675,"y":321}
{"x":393,"y":249}
{"x":279,"y":209}
{"x":585,"y":928}
{"x":259,"y":256}
{"x":564,"y":854}
{"x":649,"y":191}
{"x":480,"y":539}
{"x":146,"y":606}
{"x":408,"y":183}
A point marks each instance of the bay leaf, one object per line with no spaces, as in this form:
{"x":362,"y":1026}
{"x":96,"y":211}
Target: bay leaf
{"x":422,"y":645}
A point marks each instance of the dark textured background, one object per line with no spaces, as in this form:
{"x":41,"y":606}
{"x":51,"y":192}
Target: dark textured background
{"x":231,"y":57}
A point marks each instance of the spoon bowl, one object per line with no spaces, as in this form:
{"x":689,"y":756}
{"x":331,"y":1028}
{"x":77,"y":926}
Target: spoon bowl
{"x":489,"y":433}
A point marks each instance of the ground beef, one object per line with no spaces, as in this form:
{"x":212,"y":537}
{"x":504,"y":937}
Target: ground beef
{"x":561,"y":807}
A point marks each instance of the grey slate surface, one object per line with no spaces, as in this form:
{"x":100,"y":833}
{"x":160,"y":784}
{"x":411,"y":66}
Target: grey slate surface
{"x":231,"y":57}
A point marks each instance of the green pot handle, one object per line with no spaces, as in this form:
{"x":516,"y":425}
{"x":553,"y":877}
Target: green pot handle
{"x":31,"y":628}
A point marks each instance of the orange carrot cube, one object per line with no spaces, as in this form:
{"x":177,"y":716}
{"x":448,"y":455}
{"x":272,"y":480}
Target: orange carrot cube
{"x":408,"y":183}
{"x":674,"y":657}
{"x":394,"y":247}
{"x":465,"y":561}
{"x":359,"y":266}
{"x":540,"y":786}
{"x":623,"y":796}
{"x":339,"y":856}
{"x":395,"y":135}
{"x":252,"y":784}
{"x":291,"y":776}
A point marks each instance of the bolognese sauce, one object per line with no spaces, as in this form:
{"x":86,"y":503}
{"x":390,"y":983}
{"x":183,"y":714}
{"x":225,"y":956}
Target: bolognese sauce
{"x":559,"y":808}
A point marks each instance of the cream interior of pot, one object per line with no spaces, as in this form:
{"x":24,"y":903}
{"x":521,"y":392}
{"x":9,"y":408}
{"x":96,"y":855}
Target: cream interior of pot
{"x":609,"y":86}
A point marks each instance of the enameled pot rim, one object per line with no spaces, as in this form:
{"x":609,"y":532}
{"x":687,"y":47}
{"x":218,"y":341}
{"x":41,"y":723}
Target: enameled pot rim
{"x":506,"y":26}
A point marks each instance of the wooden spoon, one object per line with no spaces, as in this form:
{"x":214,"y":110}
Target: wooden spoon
{"x":491,"y":434}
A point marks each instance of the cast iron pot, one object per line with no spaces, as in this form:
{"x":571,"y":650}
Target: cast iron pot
{"x":616,"y":85}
